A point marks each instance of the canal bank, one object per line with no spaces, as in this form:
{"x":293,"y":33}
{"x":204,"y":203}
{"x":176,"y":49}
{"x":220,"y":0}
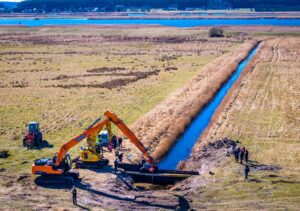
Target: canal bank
{"x":184,"y":144}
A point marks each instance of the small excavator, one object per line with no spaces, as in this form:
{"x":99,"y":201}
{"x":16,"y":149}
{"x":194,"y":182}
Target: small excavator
{"x":58,"y":168}
{"x":91,"y":156}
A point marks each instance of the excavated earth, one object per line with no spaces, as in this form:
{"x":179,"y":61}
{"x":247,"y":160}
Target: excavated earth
{"x":119,"y":192}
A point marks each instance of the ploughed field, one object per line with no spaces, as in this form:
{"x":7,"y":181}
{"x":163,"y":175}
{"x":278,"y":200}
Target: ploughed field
{"x":65,"y":77}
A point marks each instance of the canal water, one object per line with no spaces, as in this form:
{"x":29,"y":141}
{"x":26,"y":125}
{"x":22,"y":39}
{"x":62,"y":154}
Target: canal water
{"x":164,"y":22}
{"x":183,"y":146}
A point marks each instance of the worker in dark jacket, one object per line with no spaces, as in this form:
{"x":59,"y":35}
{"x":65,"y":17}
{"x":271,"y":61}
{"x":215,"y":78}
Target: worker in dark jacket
{"x":74,"y":195}
{"x":120,"y":140}
{"x":246,"y":171}
{"x":116,"y":165}
{"x":120,"y":157}
{"x":246,"y":155}
{"x":236,"y":154}
{"x":114,"y":141}
{"x":242,"y":154}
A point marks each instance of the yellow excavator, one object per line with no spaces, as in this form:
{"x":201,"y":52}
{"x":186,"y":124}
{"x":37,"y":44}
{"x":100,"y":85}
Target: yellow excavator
{"x":59,"y":167}
{"x":91,"y":156}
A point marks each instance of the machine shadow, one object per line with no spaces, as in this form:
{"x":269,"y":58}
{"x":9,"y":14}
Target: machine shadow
{"x":39,"y":182}
{"x":84,"y":186}
{"x":42,"y":145}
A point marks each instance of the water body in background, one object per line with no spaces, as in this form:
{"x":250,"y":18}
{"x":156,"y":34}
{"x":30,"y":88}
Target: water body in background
{"x":163,"y":22}
{"x":183,"y":147}
{"x":136,"y":14}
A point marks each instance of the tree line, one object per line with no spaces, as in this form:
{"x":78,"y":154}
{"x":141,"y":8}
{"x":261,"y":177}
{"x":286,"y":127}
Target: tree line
{"x":113,"y":5}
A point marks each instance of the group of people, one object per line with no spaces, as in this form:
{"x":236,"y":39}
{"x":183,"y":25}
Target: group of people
{"x":240,"y":154}
{"x":115,"y":143}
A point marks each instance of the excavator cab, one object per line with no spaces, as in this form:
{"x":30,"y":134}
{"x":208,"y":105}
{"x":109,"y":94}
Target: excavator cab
{"x":52,"y":174}
{"x":92,"y":156}
{"x":67,"y":163}
{"x":104,"y":137}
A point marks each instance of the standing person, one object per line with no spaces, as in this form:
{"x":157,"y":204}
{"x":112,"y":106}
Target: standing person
{"x":236,"y":154}
{"x":242,"y":154}
{"x":74,"y":196}
{"x":246,"y":156}
{"x":120,"y":140}
{"x":114,"y":142}
{"x":116,"y":165}
{"x":109,"y":147}
{"x":120,"y":157}
{"x":246,"y":171}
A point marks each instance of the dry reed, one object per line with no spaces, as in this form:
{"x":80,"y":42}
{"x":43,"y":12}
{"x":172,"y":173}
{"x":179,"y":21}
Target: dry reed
{"x":159,"y":128}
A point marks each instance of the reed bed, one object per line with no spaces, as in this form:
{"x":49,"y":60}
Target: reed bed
{"x":159,"y":128}
{"x":217,"y":119}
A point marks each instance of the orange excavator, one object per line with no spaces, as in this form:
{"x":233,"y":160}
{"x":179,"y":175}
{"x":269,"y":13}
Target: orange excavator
{"x":59,"y":167}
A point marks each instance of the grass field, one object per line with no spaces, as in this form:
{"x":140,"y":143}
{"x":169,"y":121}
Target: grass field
{"x":64,"y":78}
{"x":263,"y":114}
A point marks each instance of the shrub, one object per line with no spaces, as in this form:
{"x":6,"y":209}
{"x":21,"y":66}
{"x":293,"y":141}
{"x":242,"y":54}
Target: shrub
{"x":216,"y":32}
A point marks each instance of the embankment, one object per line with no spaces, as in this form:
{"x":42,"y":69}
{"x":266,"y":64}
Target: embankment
{"x":159,"y":128}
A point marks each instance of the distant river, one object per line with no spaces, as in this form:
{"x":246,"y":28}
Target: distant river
{"x":163,"y":22}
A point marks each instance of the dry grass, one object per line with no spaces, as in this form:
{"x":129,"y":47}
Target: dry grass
{"x":161,"y":126}
{"x":263,"y":114}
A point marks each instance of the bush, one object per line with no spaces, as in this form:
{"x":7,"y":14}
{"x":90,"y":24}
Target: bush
{"x":4,"y":154}
{"x":216,"y":32}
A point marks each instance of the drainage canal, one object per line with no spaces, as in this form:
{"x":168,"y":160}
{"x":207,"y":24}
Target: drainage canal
{"x":183,"y":146}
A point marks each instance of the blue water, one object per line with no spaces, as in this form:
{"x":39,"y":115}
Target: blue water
{"x":164,"y":22}
{"x":183,"y":147}
{"x":136,"y":14}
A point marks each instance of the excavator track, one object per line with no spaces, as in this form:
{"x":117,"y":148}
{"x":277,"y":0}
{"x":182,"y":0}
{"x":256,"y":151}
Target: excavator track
{"x":92,"y":165}
{"x":67,"y":178}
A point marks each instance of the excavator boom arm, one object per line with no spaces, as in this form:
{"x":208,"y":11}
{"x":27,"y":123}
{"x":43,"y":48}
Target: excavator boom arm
{"x":94,"y":128}
{"x":127,"y":132}
{"x":89,"y":131}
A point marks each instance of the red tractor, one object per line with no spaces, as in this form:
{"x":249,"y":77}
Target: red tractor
{"x":34,"y":136}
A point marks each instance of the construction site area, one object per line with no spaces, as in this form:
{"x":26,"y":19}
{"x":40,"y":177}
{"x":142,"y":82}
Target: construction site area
{"x":124,"y":119}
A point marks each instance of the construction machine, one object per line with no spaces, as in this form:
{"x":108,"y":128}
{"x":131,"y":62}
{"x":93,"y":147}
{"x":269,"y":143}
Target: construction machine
{"x":59,"y":167}
{"x":91,"y":156}
{"x":34,"y":136}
